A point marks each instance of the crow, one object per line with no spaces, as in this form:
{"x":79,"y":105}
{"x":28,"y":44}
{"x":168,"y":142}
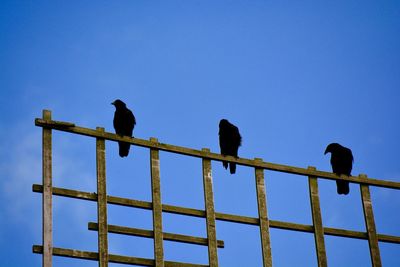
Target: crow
{"x":229,"y":142}
{"x":342,"y":163}
{"x":124,"y":122}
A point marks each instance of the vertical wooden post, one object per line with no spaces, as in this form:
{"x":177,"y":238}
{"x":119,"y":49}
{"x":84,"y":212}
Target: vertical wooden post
{"x":263,"y":215}
{"x":47,"y":209}
{"x":370,"y":224}
{"x":102,"y":200}
{"x":210,"y":212}
{"x":157,"y":206}
{"x":317,"y":220}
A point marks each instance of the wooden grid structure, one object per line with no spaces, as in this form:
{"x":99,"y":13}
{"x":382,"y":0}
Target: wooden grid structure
{"x":262,"y":221}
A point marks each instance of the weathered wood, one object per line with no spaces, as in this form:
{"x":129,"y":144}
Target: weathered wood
{"x":210,"y":212}
{"x":102,"y":200}
{"x":47,"y":196}
{"x":70,"y":253}
{"x":115,"y":229}
{"x":87,"y":255}
{"x":157,"y":206}
{"x":237,"y":218}
{"x":183,"y":211}
{"x":263,"y":216}
{"x":370,"y":225}
{"x":218,"y":216}
{"x":388,"y":239}
{"x":346,"y":233}
{"x":63,"y":192}
{"x":291,"y":226}
{"x":59,"y":124}
{"x":147,"y":205}
{"x":215,"y":156}
{"x":317,"y":221}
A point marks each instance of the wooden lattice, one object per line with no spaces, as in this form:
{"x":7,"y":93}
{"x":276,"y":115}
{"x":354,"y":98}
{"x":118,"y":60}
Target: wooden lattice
{"x":264,"y":223}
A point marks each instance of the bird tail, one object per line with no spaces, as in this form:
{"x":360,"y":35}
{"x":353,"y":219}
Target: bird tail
{"x":232,"y":167}
{"x":342,"y":187}
{"x":123,"y":149}
{"x":225,"y":164}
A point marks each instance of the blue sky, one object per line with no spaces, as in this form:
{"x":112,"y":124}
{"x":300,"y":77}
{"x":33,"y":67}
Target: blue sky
{"x":294,"y":76}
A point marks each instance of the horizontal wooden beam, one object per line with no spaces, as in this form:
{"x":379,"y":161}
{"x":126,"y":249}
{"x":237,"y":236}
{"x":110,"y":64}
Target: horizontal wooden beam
{"x":115,"y":229}
{"x":332,"y":231}
{"x":237,"y":218}
{"x":345,"y":233}
{"x":70,"y":253}
{"x":94,"y":256}
{"x":389,"y":239}
{"x":69,"y":127}
{"x":146,"y":205}
{"x":291,"y":226}
{"x":219,"y":216}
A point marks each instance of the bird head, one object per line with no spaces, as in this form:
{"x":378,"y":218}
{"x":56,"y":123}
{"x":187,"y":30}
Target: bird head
{"x":223,"y":122}
{"x":118,"y":104}
{"x":331,"y":148}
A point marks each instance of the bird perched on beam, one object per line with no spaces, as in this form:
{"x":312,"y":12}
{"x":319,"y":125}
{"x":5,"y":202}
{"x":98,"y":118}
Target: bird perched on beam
{"x":342,"y":163}
{"x":124,"y":122}
{"x":229,"y":142}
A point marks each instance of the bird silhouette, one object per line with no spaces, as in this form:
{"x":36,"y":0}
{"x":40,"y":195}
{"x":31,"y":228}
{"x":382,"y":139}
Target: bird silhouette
{"x":342,"y":163}
{"x":229,"y":142}
{"x":124,"y":122}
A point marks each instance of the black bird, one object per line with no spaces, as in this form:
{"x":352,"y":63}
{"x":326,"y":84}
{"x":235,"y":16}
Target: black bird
{"x":342,"y":163}
{"x":229,"y":142}
{"x":124,"y":122}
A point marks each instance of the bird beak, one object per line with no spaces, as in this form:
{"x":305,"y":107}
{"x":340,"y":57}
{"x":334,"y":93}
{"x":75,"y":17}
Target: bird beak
{"x":326,"y":151}
{"x":113,"y":103}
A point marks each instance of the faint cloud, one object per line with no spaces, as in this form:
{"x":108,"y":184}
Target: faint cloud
{"x":21,"y":167}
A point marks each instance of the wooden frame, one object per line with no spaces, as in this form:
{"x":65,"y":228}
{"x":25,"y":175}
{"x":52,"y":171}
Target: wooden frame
{"x":262,"y":221}
{"x":263,"y":217}
{"x":157,"y":209}
{"x":102,"y":200}
{"x":210,"y":212}
{"x":47,"y":196}
{"x":317,"y":221}
{"x":370,"y":225}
